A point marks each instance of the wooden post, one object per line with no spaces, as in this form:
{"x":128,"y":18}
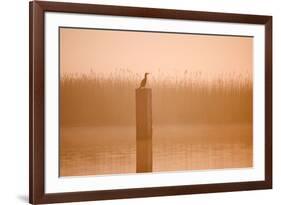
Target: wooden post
{"x":144,"y":130}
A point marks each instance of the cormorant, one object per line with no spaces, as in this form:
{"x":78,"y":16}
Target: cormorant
{"x":143,"y":82}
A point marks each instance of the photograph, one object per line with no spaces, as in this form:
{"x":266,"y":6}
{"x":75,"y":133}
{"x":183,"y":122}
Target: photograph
{"x":133,"y":102}
{"x":153,"y":101}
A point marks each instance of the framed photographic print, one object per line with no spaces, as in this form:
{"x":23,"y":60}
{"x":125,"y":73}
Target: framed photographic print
{"x":139,"y":102}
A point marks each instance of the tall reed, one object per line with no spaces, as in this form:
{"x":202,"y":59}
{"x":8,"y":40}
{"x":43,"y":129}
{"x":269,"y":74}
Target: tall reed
{"x":109,"y":100}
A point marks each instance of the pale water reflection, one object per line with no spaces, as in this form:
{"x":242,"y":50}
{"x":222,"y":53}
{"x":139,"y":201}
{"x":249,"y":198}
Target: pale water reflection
{"x":112,"y":150}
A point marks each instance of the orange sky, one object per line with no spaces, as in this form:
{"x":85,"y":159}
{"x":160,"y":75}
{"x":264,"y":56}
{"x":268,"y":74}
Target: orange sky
{"x":105,"y":51}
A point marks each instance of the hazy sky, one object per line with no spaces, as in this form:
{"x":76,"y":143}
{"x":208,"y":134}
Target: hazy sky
{"x":105,"y":51}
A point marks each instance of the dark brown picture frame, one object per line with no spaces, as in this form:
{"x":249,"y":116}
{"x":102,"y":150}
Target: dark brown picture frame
{"x":37,"y":10}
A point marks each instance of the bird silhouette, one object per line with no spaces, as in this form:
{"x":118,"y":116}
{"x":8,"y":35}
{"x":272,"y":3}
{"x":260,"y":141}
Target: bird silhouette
{"x":143,"y":82}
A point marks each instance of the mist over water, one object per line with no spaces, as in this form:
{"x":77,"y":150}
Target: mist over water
{"x":112,"y":150}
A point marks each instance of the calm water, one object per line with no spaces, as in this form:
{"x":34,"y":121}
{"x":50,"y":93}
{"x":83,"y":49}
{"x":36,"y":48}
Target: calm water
{"x":112,"y":150}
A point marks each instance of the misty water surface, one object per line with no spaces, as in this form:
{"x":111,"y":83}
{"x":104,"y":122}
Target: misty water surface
{"x":112,"y":150}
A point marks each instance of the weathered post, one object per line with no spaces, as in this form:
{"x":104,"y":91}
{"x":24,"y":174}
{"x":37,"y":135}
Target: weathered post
{"x":144,"y":130}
